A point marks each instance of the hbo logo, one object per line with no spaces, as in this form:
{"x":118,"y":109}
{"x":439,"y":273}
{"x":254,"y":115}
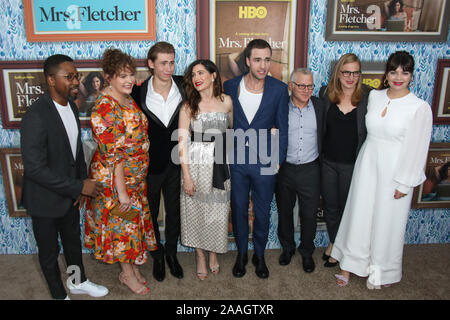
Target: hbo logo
{"x":252,"y":12}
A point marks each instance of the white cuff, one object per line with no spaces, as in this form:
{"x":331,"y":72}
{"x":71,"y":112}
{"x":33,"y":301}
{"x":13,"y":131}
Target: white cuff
{"x":403,"y":189}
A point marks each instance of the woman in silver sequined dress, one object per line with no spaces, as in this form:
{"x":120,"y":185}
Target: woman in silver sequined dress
{"x":205,"y":196}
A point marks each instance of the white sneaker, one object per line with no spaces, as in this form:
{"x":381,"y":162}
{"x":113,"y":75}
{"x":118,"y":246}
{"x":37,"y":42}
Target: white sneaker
{"x":87,"y":287}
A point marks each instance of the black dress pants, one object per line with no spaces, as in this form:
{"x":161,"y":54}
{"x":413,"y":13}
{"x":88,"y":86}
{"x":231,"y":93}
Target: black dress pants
{"x":169,"y":183}
{"x":46,"y":231}
{"x":302,"y":181}
{"x":336,"y":179}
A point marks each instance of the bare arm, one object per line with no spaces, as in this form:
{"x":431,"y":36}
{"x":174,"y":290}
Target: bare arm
{"x":229,"y":103}
{"x":119,"y":181}
{"x":183,"y":135}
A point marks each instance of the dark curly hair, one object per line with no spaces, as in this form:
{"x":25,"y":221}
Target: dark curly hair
{"x":192,"y":95}
{"x":88,"y":81}
{"x":392,"y":6}
{"x":114,"y":61}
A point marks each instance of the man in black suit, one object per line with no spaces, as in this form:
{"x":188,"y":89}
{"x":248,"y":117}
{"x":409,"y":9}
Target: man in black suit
{"x":299,"y":175}
{"x":160,"y":98}
{"x":55,"y":177}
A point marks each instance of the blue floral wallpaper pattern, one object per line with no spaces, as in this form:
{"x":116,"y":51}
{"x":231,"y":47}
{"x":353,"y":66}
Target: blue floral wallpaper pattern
{"x":176,"y":24}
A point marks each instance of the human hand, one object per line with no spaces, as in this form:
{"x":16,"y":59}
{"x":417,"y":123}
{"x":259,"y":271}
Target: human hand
{"x":91,"y":188}
{"x":81,"y":200}
{"x":398,"y":194}
{"x":188,"y":186}
{"x":124,"y":202}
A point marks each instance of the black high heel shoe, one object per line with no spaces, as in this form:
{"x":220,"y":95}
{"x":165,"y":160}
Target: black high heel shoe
{"x":329,"y":264}
{"x":325,"y":257}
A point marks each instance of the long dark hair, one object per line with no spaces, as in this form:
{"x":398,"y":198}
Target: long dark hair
{"x":392,"y":6}
{"x":88,"y":81}
{"x":192,"y":95}
{"x":443,"y":171}
{"x":398,"y":59}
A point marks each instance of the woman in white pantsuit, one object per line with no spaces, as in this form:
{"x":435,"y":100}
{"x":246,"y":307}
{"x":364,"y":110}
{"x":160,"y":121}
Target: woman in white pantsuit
{"x":389,"y":165}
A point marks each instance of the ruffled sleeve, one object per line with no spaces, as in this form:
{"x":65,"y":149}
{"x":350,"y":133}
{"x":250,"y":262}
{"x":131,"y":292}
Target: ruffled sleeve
{"x":414,"y":150}
{"x":108,"y":129}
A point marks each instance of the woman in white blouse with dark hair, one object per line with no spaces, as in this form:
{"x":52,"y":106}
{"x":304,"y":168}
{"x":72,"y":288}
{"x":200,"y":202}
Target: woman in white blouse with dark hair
{"x":390,"y":164}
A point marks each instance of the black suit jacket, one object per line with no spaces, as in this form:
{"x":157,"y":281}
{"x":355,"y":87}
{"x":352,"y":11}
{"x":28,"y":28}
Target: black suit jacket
{"x":161,"y":144}
{"x":53,"y":179}
{"x":361,"y":111}
{"x":319,"y":108}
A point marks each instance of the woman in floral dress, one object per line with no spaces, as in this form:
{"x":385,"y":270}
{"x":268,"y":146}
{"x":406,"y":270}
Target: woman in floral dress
{"x":120,"y":163}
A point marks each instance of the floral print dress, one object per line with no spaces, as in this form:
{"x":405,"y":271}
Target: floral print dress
{"x":121,"y":135}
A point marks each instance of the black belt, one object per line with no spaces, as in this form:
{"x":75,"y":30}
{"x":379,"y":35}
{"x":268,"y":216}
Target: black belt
{"x":303,"y":164}
{"x":221,"y":172}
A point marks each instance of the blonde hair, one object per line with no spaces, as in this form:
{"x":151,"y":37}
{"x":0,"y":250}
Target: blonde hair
{"x":334,"y":88}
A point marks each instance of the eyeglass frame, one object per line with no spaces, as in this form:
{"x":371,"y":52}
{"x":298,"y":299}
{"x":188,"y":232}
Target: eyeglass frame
{"x":355,"y":74}
{"x":69,"y":76}
{"x":303,"y":87}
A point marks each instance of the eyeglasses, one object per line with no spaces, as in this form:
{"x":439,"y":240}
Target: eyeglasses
{"x":304,"y":87}
{"x":347,"y":74}
{"x":70,"y":76}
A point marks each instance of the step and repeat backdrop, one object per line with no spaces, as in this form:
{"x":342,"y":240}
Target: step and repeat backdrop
{"x":313,"y":33}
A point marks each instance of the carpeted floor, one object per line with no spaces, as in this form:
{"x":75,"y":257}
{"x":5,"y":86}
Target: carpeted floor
{"x":426,"y":275}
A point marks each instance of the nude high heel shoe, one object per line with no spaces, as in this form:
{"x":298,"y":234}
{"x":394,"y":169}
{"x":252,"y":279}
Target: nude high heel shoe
{"x":214,"y":268}
{"x":201,"y":259}
{"x":127,"y":280}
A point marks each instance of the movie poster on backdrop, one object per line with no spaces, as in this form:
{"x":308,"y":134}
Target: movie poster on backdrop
{"x":236,"y":23}
{"x":441,"y":96}
{"x":372,"y":73}
{"x":23,"y":82}
{"x":392,"y":20}
{"x":12,"y":172}
{"x":434,"y":192}
{"x":88,"y":20}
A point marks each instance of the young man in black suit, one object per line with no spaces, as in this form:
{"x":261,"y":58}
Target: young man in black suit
{"x":160,"y":98}
{"x":55,"y":177}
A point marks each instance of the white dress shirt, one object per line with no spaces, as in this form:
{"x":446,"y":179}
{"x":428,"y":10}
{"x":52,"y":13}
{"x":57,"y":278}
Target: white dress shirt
{"x":160,"y":108}
{"x":249,"y":101}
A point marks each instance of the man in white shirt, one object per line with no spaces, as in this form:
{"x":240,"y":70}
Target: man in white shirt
{"x":260,"y":105}
{"x":55,"y":177}
{"x":160,"y":98}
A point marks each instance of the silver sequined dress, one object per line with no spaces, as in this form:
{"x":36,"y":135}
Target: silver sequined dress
{"x":204,"y":216}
